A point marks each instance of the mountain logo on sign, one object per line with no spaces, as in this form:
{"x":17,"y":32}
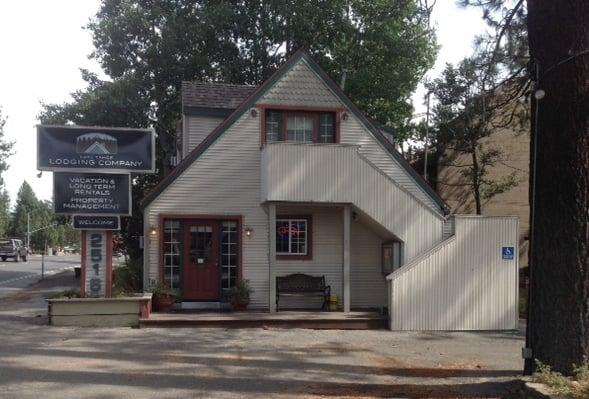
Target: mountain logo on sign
{"x":96,"y":143}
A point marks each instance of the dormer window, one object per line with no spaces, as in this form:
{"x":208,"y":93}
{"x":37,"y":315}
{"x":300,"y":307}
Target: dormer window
{"x":300,"y":126}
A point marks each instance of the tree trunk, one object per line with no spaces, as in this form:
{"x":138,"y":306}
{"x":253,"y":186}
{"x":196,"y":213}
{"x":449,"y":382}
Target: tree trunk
{"x":476,"y":182}
{"x":559,"y":308}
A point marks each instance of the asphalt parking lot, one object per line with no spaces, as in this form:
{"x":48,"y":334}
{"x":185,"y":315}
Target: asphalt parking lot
{"x":37,"y":360}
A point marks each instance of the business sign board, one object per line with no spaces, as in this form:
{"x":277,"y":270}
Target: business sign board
{"x":87,"y":222}
{"x":508,"y":253}
{"x":95,"y":149}
{"x":96,"y":261}
{"x":91,"y":194}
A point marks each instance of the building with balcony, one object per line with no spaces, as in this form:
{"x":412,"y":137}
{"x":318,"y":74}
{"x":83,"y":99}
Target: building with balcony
{"x":290,"y":177}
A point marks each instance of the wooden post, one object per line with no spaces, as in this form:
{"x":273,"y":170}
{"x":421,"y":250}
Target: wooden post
{"x":346,"y":268}
{"x":83,"y":263}
{"x":272,"y":255}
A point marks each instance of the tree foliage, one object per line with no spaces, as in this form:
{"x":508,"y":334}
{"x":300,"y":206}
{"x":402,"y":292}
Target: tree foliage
{"x":463,"y":116}
{"x":377,"y":50}
{"x":5,"y":148}
{"x":37,"y":215}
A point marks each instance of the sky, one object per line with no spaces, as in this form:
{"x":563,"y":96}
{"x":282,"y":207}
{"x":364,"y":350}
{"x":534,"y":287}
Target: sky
{"x":43,"y":45}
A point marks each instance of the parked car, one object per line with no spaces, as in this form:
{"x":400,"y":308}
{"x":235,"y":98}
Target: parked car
{"x":13,"y":248}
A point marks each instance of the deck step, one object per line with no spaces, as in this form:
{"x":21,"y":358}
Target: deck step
{"x":266,"y":320}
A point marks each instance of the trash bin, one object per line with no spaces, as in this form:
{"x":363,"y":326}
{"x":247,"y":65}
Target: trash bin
{"x":332,"y":303}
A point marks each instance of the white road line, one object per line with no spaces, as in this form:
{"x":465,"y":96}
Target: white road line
{"x":47,"y":273}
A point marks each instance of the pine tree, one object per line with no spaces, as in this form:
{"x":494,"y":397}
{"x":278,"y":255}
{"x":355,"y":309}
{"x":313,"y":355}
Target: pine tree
{"x":558,"y":328}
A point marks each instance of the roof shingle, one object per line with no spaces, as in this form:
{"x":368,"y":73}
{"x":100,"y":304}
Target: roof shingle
{"x":214,"y":95}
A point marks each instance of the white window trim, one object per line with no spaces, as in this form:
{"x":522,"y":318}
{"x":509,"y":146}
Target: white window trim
{"x":289,"y":253}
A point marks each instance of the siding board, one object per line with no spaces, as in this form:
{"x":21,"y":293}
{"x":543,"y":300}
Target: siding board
{"x":461,"y":284}
{"x":340,"y":174}
{"x":302,"y":87}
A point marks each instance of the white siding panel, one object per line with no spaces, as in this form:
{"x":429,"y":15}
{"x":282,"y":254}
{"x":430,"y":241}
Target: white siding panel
{"x":302,"y":87}
{"x":339,"y":174}
{"x":352,"y":132}
{"x":448,"y":227}
{"x":197,"y":128}
{"x":225,"y":180}
{"x":462,"y":284}
{"x":368,"y":284}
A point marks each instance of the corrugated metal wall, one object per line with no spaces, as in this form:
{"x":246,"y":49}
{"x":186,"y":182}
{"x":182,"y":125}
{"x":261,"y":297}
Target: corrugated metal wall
{"x":339,"y":174}
{"x":463,"y":283}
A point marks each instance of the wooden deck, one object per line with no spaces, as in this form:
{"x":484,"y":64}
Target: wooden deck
{"x":259,"y":319}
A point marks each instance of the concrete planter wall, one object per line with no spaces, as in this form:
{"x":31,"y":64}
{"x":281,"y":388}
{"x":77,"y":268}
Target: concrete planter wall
{"x":99,"y":312}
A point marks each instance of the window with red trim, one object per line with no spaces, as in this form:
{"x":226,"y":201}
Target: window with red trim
{"x":300,"y":127}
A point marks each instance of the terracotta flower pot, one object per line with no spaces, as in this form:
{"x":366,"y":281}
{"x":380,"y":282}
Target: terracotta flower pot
{"x":163,"y":302}
{"x":240,"y":305}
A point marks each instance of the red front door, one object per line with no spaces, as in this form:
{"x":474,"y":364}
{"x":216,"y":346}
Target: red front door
{"x":200,"y":278}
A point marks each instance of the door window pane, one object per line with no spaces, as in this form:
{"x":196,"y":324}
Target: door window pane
{"x":172,"y":253}
{"x":228,"y":254}
{"x":201,"y":243}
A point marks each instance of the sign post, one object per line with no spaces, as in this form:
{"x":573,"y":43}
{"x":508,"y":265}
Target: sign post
{"x":92,"y":183}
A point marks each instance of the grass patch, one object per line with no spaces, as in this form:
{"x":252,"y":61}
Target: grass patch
{"x":575,"y":386}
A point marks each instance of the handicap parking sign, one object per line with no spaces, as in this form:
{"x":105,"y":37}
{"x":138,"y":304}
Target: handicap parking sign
{"x":507,"y":253}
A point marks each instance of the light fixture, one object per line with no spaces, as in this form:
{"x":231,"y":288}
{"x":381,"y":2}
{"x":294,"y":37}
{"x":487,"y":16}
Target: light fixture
{"x":354,"y":216}
{"x":345,"y":116}
{"x":254,"y":112}
{"x":539,"y":94}
{"x":152,"y":231}
{"x":249,"y":231}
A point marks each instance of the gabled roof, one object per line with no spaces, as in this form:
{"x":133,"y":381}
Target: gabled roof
{"x":222,"y":97}
{"x":256,"y":94}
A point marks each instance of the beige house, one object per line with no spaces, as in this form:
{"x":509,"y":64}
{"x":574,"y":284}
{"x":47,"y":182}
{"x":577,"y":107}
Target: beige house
{"x":514,"y":159}
{"x":291,"y":178}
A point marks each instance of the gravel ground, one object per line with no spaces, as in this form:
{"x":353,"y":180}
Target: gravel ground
{"x":38,"y":361}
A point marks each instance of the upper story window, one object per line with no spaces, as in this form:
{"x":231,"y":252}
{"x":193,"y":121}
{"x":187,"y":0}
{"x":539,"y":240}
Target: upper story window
{"x":301,"y":127}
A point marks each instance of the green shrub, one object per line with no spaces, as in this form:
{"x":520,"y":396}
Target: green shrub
{"x":128,"y":278}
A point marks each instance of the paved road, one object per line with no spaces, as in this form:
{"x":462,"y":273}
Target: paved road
{"x":16,"y":275}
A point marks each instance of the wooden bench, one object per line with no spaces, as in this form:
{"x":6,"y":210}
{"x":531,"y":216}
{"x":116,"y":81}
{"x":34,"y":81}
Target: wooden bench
{"x":302,"y":285}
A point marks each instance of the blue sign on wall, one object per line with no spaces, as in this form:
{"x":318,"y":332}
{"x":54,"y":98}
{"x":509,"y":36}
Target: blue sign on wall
{"x":508,"y":253}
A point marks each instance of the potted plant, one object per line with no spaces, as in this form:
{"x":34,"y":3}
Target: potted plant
{"x":240,"y":295}
{"x":163,"y":298}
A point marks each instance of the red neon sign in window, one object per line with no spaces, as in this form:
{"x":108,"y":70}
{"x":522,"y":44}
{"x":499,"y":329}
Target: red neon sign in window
{"x":294,"y":231}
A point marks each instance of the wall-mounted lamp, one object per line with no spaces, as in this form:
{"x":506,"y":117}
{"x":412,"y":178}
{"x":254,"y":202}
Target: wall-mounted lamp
{"x":354,"y":216}
{"x":152,"y":231}
{"x":249,"y":231}
{"x":345,"y":116}
{"x":539,"y":94}
{"x":254,"y":112}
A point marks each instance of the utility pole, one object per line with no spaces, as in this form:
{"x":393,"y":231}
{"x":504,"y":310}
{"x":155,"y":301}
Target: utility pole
{"x":425,"y":146}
